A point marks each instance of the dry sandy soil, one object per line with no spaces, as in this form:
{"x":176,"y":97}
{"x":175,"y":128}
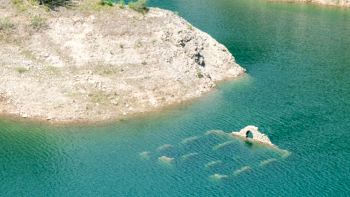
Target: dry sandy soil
{"x":90,"y":63}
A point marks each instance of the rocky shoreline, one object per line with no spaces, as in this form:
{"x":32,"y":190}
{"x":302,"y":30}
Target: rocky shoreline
{"x":95,"y":63}
{"x":338,"y":3}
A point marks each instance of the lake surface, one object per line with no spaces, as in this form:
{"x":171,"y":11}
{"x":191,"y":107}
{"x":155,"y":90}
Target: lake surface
{"x":296,"y":90}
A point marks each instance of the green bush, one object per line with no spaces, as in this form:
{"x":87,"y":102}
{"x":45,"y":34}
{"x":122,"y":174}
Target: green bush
{"x":121,"y":4}
{"x":21,"y":69}
{"x":101,"y":2}
{"x":140,"y":6}
{"x":177,"y":13}
{"x":199,"y":74}
{"x":110,"y":3}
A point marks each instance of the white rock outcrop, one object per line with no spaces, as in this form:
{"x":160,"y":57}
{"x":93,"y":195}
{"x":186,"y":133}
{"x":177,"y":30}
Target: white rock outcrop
{"x":92,"y":66}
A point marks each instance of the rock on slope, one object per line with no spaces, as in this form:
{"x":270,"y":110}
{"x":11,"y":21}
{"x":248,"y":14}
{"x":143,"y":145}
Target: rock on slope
{"x":86,"y":65}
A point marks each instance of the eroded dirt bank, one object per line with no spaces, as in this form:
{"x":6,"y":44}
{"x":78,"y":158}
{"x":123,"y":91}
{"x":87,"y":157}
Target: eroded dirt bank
{"x":93,"y":63}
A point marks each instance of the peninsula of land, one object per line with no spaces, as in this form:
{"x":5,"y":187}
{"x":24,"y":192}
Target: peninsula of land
{"x":88,"y":62}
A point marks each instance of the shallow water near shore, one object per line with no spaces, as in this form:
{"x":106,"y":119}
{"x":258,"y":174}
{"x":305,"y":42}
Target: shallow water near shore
{"x":296,"y":91}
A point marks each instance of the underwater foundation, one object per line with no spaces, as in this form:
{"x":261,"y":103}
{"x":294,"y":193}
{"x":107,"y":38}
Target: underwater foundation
{"x":257,"y":136}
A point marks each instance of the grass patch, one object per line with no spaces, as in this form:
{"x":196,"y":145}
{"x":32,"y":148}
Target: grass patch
{"x":34,"y":3}
{"x":38,"y":22}
{"x":21,"y":70}
{"x":17,"y":2}
{"x":105,"y":69}
{"x":98,"y":96}
{"x":6,"y":24}
{"x":121,"y":4}
{"x":22,"y":10}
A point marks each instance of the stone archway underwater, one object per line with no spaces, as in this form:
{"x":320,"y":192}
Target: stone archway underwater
{"x":257,"y":136}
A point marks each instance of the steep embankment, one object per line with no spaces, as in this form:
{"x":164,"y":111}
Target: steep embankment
{"x":94,"y":63}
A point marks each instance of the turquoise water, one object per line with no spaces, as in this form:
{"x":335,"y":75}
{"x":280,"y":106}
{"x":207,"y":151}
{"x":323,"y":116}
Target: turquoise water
{"x":296,"y":91}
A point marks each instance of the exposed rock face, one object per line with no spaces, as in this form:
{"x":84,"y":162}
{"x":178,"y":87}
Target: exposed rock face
{"x":85,"y":65}
{"x":257,"y":136}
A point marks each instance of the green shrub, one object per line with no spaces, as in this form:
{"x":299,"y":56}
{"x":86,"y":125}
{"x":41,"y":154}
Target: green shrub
{"x":38,"y":22}
{"x":121,"y":4}
{"x":199,"y":74}
{"x":191,"y":27}
{"x":177,"y":13}
{"x":21,"y":69}
{"x":140,"y":6}
{"x":144,"y":62}
{"x":110,"y":3}
{"x":6,"y":24}
{"x":101,"y":2}
{"x":121,"y":46}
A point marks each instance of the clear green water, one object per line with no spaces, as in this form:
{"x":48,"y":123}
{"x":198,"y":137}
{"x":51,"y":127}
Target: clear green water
{"x":296,"y":91}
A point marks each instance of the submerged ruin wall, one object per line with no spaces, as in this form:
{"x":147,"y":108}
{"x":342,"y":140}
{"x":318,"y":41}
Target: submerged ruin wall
{"x":257,"y":136}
